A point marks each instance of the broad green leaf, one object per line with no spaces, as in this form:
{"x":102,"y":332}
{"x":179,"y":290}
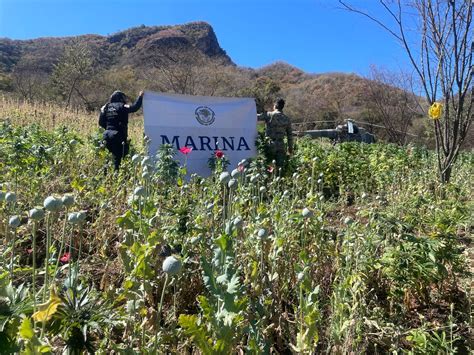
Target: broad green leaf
{"x":197,"y":333}
{"x":233,"y":285}
{"x":26,"y":329}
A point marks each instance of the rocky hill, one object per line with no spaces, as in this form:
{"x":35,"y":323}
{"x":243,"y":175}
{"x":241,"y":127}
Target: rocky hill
{"x":120,"y":48}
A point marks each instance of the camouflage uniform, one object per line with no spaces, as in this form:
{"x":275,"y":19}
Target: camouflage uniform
{"x":277,"y":126}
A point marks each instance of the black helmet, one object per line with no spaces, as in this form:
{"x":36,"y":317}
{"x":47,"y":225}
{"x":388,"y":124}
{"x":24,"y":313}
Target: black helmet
{"x":118,"y":96}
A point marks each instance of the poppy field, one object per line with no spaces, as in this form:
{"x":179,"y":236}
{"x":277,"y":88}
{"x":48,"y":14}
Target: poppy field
{"x":355,"y":249}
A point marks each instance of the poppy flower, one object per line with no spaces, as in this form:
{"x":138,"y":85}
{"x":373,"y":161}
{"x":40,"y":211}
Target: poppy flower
{"x":270,"y":169}
{"x":65,"y":258}
{"x":185,"y":150}
{"x":219,"y":154}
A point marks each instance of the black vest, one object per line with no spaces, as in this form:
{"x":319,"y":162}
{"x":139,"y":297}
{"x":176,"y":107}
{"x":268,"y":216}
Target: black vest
{"x":116,"y":117}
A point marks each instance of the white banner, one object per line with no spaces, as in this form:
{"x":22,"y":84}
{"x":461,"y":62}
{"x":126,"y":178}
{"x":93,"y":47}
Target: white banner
{"x":205,"y":124}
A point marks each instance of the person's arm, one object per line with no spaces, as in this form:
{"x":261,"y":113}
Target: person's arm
{"x":262,"y":116}
{"x":289,"y":137}
{"x":102,"y":117}
{"x":136,"y":105}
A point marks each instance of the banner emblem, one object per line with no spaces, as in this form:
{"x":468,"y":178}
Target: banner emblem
{"x":205,"y":115}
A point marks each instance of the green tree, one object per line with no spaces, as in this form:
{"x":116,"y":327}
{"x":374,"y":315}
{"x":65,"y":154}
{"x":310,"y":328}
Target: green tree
{"x":74,"y":68}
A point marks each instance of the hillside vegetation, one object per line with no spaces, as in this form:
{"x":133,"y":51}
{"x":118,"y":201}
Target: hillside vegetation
{"x":358,"y":249}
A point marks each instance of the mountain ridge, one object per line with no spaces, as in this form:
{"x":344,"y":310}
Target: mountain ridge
{"x":199,"y":35}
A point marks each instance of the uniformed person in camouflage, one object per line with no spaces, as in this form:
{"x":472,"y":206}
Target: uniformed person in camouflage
{"x":277,"y":127}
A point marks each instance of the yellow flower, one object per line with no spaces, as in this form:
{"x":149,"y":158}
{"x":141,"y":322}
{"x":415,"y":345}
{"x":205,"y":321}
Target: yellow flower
{"x":435,"y":111}
{"x":47,"y":309}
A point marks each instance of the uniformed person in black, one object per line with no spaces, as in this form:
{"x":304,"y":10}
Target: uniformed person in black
{"x":114,"y":118}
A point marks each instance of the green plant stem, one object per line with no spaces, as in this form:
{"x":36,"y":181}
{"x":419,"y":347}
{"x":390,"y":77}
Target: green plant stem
{"x":80,"y":251}
{"x":160,"y":307}
{"x":12,"y":259}
{"x":224,"y":206}
{"x":70,"y":253}
{"x":301,"y":307}
{"x":229,"y":204}
{"x":61,"y":246}
{"x":46,"y":267}
{"x":34,"y":267}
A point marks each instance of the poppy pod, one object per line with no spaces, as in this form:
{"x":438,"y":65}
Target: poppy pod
{"x":172,"y":265}
{"x":300,"y":276}
{"x":36,"y":214}
{"x":14,"y":222}
{"x":139,"y":191}
{"x":135,"y":159}
{"x":307,"y":213}
{"x":262,"y":234}
{"x":10,"y":197}
{"x":52,"y":204}
{"x":237,"y":222}
{"x":146,"y":161}
{"x":81,"y":216}
{"x":224,"y":177}
{"x":72,"y":218}
{"x":67,"y":200}
{"x":232,"y":183}
{"x":235,"y":172}
{"x":195,"y":240}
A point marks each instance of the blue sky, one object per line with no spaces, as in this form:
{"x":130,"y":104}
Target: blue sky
{"x":314,"y":35}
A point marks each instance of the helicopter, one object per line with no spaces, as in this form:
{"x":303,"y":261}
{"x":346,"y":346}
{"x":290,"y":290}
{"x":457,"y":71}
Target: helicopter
{"x":347,"y":132}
